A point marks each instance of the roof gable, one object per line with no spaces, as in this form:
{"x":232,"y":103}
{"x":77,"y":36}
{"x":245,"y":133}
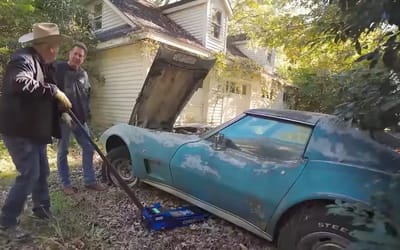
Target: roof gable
{"x":182,"y":3}
{"x":231,"y":44}
{"x":147,"y":15}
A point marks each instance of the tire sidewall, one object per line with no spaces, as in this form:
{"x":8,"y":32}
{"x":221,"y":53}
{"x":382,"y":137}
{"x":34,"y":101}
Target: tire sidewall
{"x":313,"y":221}
{"x":112,"y":155}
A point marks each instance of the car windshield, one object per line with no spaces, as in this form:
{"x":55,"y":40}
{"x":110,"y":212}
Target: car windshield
{"x":212,"y":131}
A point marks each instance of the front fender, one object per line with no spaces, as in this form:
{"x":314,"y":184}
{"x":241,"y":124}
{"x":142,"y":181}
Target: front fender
{"x":151,"y":147}
{"x":119,"y":130}
{"x":330,"y":181}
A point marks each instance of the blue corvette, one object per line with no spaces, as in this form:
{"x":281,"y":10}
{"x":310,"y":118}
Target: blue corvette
{"x":271,"y":172}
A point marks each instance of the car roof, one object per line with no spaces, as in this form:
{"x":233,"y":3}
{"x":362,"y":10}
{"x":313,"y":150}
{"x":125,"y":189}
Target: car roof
{"x":305,"y":117}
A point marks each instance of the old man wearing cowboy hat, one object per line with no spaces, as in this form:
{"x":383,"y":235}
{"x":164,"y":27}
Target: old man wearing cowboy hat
{"x":28,"y":119}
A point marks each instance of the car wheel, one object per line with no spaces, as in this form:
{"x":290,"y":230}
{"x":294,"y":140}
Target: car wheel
{"x":120,"y":160}
{"x":311,"y":228}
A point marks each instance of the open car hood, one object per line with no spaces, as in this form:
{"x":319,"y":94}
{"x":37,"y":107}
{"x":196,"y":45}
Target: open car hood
{"x":172,"y":80}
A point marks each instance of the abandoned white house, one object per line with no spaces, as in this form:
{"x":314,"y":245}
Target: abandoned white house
{"x":157,"y":63}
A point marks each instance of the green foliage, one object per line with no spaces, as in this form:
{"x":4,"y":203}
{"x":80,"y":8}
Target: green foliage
{"x":236,"y":67}
{"x":372,"y":97}
{"x":17,"y":17}
{"x":317,"y":90}
{"x":322,"y":40}
{"x":339,"y":52}
{"x":382,"y":224}
{"x":354,"y":21}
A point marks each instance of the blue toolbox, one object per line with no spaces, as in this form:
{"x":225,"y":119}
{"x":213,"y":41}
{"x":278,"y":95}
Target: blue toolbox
{"x":157,"y":218}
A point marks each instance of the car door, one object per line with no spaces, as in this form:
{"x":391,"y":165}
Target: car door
{"x":249,"y":172}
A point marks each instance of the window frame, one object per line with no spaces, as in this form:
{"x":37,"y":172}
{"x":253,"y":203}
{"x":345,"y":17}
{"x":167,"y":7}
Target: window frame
{"x":210,"y":136}
{"x":232,"y":87}
{"x":97,"y":19}
{"x":216,"y":25}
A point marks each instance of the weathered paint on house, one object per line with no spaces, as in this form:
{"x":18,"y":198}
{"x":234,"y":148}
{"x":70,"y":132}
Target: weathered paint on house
{"x":215,"y":103}
{"x":109,"y":17}
{"x":193,"y":19}
{"x":236,"y":103}
{"x":262,"y":56}
{"x":273,"y":99}
{"x":125,"y":69}
{"x":212,"y":42}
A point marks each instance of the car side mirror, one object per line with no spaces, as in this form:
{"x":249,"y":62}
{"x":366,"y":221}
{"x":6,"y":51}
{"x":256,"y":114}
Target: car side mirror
{"x":220,"y":142}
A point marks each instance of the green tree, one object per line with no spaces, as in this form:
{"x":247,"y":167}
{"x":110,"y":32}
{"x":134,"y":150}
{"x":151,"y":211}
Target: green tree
{"x":15,"y":20}
{"x":324,"y":39}
{"x":308,"y":63}
{"x":17,"y":17}
{"x":348,"y":50}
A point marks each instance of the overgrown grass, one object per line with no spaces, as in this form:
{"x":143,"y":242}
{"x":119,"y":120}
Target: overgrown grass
{"x":7,"y":168}
{"x":70,"y":228}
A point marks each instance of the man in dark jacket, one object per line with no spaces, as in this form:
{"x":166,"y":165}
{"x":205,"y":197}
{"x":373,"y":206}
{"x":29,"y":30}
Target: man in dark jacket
{"x":28,"y":119}
{"x":73,"y":80}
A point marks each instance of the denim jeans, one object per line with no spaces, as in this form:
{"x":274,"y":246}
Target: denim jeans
{"x":87,"y":155}
{"x":31,"y":162}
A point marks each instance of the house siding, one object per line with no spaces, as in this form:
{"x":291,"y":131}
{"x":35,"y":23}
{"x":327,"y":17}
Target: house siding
{"x":193,"y":20}
{"x":256,"y":54}
{"x":110,"y":19}
{"x":124,"y":69}
{"x":218,"y":106}
{"x":235,"y":104}
{"x":196,"y":109}
{"x":211,"y":42}
{"x":273,"y":102}
{"x":259,"y":55}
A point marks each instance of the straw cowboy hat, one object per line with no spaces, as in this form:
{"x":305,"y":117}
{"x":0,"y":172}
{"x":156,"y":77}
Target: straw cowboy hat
{"x":44,"y":33}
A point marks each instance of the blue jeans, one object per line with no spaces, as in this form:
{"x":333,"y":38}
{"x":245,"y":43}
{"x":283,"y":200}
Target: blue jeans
{"x":87,"y":155}
{"x":31,"y":162}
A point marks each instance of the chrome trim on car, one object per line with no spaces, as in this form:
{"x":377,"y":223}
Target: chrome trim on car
{"x":212,"y":209}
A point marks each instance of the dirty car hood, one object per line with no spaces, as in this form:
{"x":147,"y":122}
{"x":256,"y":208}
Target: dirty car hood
{"x":172,"y":80}
{"x":149,"y":140}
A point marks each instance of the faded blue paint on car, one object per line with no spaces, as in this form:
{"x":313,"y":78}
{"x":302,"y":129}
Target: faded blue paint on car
{"x":149,"y":150}
{"x":267,"y":162}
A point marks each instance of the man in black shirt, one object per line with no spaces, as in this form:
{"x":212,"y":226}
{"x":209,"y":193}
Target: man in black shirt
{"x":28,"y":120}
{"x":74,"y":81}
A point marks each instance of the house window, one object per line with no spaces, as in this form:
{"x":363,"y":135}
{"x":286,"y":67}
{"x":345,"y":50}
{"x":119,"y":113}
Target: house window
{"x":235,"y":88}
{"x":268,"y":93}
{"x":269,"y":57}
{"x":285,"y":97}
{"x":97,"y":17}
{"x":216,"y":23}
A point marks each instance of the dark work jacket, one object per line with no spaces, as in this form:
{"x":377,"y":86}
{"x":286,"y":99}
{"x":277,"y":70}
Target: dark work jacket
{"x":76,"y":86}
{"x":28,"y":108}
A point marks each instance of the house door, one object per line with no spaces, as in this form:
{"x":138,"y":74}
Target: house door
{"x":236,"y":100}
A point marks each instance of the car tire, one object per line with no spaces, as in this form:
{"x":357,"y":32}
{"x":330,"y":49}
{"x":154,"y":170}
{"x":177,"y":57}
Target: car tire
{"x":120,"y":159}
{"x":312,"y":228}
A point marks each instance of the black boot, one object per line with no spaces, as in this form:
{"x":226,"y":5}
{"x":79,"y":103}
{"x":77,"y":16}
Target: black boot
{"x":42,"y":212}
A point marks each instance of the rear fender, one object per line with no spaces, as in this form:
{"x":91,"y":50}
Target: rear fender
{"x":327,"y":182}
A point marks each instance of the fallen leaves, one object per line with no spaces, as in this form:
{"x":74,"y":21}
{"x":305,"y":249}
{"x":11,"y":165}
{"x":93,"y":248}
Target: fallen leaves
{"x":108,"y":220}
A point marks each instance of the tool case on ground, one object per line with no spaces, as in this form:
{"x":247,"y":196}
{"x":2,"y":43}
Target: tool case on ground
{"x":157,"y":218}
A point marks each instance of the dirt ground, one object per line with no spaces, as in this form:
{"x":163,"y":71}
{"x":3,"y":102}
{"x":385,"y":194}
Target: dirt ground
{"x":108,"y":220}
